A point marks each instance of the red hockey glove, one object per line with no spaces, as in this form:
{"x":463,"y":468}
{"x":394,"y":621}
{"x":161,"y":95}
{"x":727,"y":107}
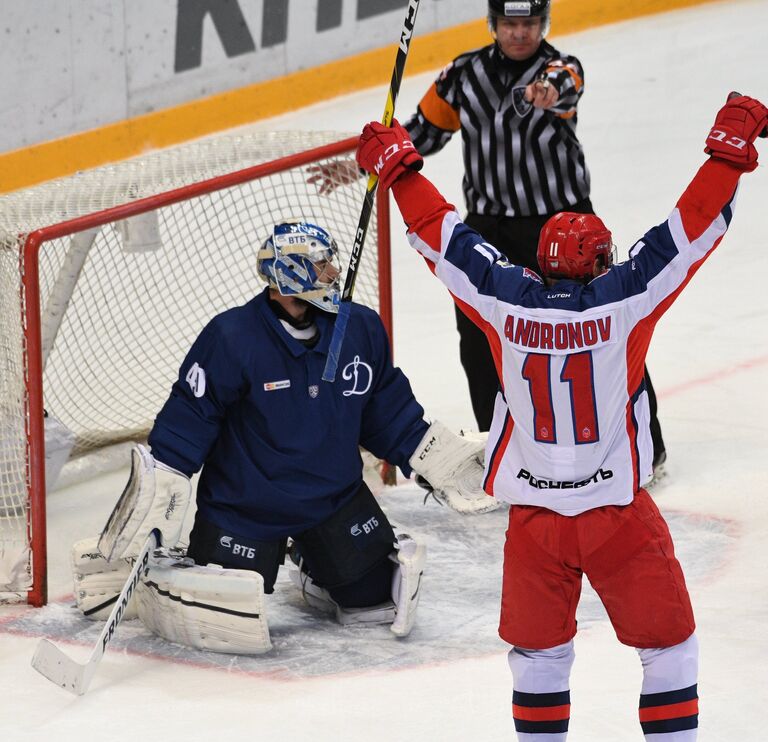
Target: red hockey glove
{"x":387,"y":152}
{"x":739,"y":122}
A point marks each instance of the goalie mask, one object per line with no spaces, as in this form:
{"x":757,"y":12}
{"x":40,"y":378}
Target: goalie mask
{"x":570,"y":245}
{"x":301,"y":259}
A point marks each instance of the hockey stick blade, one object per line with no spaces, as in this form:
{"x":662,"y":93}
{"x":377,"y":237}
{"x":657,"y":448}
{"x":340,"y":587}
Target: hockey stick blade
{"x":340,"y":326}
{"x":60,"y":669}
{"x":74,"y":676}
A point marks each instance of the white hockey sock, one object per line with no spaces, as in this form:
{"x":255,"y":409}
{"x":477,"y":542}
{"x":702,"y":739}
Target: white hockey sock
{"x":541,"y":702}
{"x":669,"y":705}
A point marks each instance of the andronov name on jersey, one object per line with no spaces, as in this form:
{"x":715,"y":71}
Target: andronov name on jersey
{"x":531,"y":333}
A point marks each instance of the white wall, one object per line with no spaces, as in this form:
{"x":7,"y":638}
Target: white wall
{"x":71,"y":65}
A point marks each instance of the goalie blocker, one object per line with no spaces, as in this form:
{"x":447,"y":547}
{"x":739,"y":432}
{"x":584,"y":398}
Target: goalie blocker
{"x":156,"y":496}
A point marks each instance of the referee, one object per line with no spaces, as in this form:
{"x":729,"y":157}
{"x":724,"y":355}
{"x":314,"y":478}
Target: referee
{"x":514,"y":102}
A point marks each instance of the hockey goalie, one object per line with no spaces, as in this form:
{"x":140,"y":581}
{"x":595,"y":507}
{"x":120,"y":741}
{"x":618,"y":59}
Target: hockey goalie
{"x":281,"y":473}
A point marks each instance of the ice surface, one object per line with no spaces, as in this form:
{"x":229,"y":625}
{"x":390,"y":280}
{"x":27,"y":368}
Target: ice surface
{"x":653,"y":86}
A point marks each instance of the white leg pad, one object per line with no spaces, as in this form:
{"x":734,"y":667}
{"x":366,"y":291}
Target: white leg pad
{"x":319,"y":598}
{"x":97,"y":582}
{"x":210,"y":607}
{"x":410,"y":558}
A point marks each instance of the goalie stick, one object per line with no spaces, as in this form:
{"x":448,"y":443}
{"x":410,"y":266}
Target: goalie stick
{"x":74,"y":676}
{"x":340,"y":326}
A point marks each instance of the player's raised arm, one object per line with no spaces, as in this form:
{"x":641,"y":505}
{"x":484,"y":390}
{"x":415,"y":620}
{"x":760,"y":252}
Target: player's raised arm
{"x":460,"y":257}
{"x":666,"y":258}
{"x":731,"y":146}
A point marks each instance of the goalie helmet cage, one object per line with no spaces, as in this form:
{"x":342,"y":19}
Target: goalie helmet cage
{"x":107,"y":277}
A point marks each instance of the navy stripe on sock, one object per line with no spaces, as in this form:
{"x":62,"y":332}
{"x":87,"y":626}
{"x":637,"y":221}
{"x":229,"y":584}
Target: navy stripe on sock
{"x":672,"y":696}
{"x":670,"y":725}
{"x":537,"y":700}
{"x":542,"y":727}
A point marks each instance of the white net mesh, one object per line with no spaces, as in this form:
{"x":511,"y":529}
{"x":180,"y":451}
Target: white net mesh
{"x":119,"y":311}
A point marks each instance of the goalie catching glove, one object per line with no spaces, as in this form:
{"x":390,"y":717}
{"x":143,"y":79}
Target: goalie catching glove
{"x":451,"y":466}
{"x":156,"y":496}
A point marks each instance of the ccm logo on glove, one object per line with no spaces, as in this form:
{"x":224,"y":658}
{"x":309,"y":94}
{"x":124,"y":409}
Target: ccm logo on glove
{"x":387,"y":152}
{"x":721,"y":136}
{"x":737,"y":124}
{"x":390,"y":152}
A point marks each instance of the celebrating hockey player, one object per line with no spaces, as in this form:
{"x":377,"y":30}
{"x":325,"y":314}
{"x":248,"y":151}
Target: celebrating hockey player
{"x":569,"y":446}
{"x":280,"y":459}
{"x":514,"y":102}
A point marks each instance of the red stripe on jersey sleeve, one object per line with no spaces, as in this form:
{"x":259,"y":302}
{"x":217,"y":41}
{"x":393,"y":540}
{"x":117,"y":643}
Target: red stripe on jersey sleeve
{"x":494,"y":341}
{"x":422,"y":206}
{"x":711,"y":189}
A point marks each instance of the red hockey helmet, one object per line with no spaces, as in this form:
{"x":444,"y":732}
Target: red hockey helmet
{"x":569,"y":245}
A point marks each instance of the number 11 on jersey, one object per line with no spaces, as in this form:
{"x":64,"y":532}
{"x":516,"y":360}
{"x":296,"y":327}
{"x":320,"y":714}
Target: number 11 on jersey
{"x":577,"y":372}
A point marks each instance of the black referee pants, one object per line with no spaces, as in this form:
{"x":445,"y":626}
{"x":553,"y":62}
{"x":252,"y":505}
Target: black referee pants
{"x":518,"y":239}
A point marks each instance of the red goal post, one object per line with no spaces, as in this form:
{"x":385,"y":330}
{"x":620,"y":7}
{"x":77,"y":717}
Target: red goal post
{"x":108,"y":276}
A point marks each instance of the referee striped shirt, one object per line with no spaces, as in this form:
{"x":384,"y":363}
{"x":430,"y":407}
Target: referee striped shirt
{"x":518,"y":160}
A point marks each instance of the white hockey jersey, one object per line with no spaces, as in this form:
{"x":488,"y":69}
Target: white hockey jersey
{"x":571,"y":423}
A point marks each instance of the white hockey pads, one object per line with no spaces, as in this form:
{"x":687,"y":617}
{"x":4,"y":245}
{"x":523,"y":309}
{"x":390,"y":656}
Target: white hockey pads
{"x":410,"y":557}
{"x":156,"y":496}
{"x":452,"y":466}
{"x":211,"y":607}
{"x":59,"y":441}
{"x":320,"y":599}
{"x":97,"y":582}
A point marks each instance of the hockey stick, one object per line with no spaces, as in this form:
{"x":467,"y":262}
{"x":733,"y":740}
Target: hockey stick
{"x":340,"y":327}
{"x":73,"y":676}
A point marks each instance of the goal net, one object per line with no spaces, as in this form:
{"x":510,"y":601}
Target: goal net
{"x":108,"y":276}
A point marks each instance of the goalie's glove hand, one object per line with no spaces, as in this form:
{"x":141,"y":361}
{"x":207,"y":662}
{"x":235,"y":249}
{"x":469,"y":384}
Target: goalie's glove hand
{"x":387,"y":152}
{"x":156,"y":496}
{"x":328,"y":176}
{"x":461,"y":500}
{"x":738,"y":123}
{"x":451,"y":467}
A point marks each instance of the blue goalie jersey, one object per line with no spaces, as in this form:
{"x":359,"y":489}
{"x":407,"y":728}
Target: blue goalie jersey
{"x":277,"y":445}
